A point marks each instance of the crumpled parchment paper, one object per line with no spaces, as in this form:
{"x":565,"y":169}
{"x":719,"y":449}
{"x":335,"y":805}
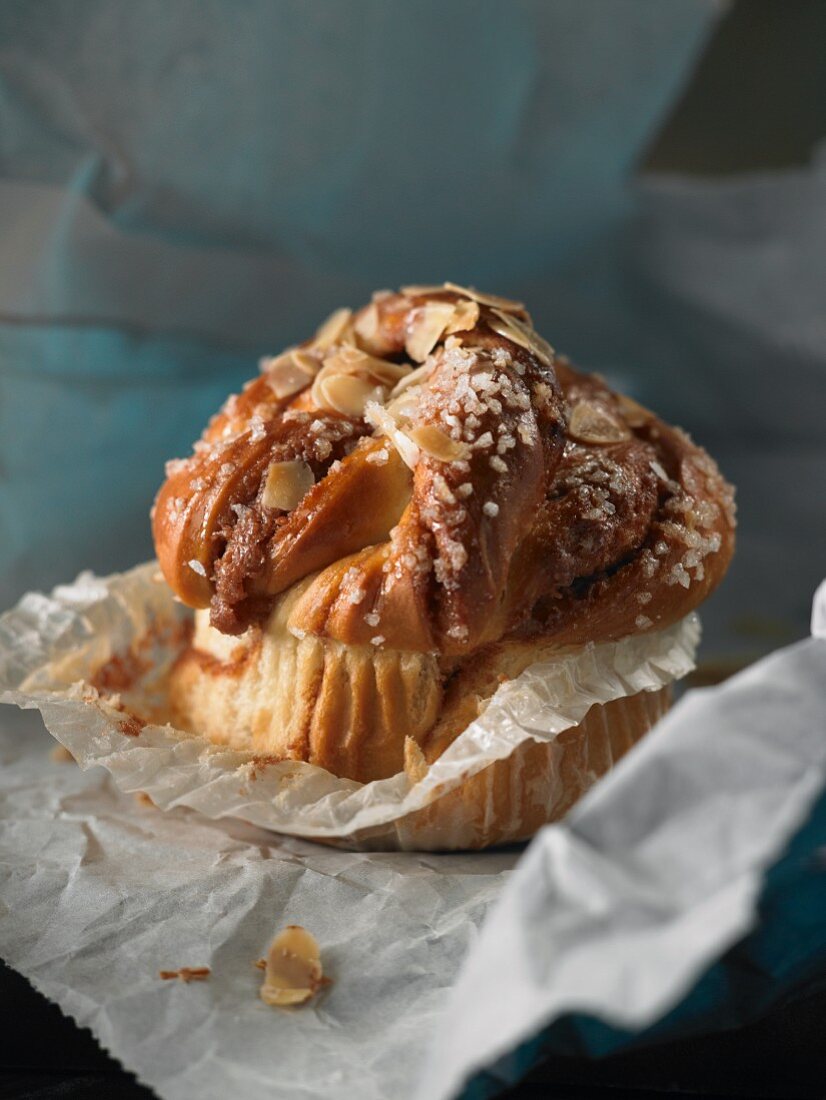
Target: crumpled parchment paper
{"x":100,"y":893}
{"x":615,"y":911}
{"x":52,"y":646}
{"x":654,"y":874}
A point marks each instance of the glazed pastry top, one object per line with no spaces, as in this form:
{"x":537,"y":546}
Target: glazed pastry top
{"x":444,"y":480}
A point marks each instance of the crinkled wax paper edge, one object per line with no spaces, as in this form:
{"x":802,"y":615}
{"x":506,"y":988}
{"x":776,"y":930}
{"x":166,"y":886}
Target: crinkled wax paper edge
{"x":786,"y":773}
{"x":50,"y":645}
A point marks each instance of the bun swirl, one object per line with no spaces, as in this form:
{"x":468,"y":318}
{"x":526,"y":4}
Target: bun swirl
{"x":418,"y":502}
{"x":539,"y":501}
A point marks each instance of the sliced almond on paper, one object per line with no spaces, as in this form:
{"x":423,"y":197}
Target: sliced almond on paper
{"x":590,"y":423}
{"x":293,"y":972}
{"x":286,"y":484}
{"x":437,"y":443}
{"x":513,"y":329}
{"x":426,"y":327}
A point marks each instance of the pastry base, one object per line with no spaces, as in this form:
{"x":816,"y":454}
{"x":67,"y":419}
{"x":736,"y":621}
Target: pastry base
{"x":538,"y":783}
{"x":345,"y":708}
{"x":363,"y":713}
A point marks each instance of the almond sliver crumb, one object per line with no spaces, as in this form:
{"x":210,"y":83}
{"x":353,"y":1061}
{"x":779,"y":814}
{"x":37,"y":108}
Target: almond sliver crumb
{"x":293,"y":971}
{"x":186,"y":974}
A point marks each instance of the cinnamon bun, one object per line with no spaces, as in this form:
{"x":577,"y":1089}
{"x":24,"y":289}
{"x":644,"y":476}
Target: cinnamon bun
{"x":418,"y":502}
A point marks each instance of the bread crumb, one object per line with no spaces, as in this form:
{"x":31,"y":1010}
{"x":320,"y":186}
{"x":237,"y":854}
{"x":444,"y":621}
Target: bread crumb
{"x":186,"y":974}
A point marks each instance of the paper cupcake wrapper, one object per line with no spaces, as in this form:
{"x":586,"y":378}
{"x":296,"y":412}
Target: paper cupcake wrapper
{"x":53,"y":647}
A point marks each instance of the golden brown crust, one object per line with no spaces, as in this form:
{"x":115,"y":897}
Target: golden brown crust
{"x":357,"y":711}
{"x":684,"y":550}
{"x":395,"y":538}
{"x":345,"y":708}
{"x":541,"y":504}
{"x":512,"y":799}
{"x":367,"y":716}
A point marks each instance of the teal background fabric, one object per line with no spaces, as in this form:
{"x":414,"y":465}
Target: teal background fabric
{"x":184,"y":187}
{"x":86,"y":417}
{"x":783,"y":958}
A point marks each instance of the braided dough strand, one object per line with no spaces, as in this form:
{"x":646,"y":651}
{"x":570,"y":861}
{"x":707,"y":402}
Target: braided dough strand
{"x":439,"y":481}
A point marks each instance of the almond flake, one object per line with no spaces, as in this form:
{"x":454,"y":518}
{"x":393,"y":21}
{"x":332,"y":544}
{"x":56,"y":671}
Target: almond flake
{"x":492,"y":300}
{"x":437,"y":443}
{"x":465,"y":317}
{"x":384,"y":423}
{"x":405,"y":406}
{"x":367,"y":325}
{"x":286,"y":483}
{"x":289,"y":373}
{"x":417,"y":291}
{"x":351,"y":360}
{"x":306,"y":360}
{"x":267,"y":363}
{"x":412,"y":378}
{"x":334,"y":330}
{"x":426,"y":327}
{"x":513,"y":329}
{"x":636,"y":415}
{"x":591,"y":423}
{"x":293,"y":971}
{"x":343,"y":393}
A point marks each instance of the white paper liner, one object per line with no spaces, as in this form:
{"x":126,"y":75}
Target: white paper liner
{"x":51,"y":647}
